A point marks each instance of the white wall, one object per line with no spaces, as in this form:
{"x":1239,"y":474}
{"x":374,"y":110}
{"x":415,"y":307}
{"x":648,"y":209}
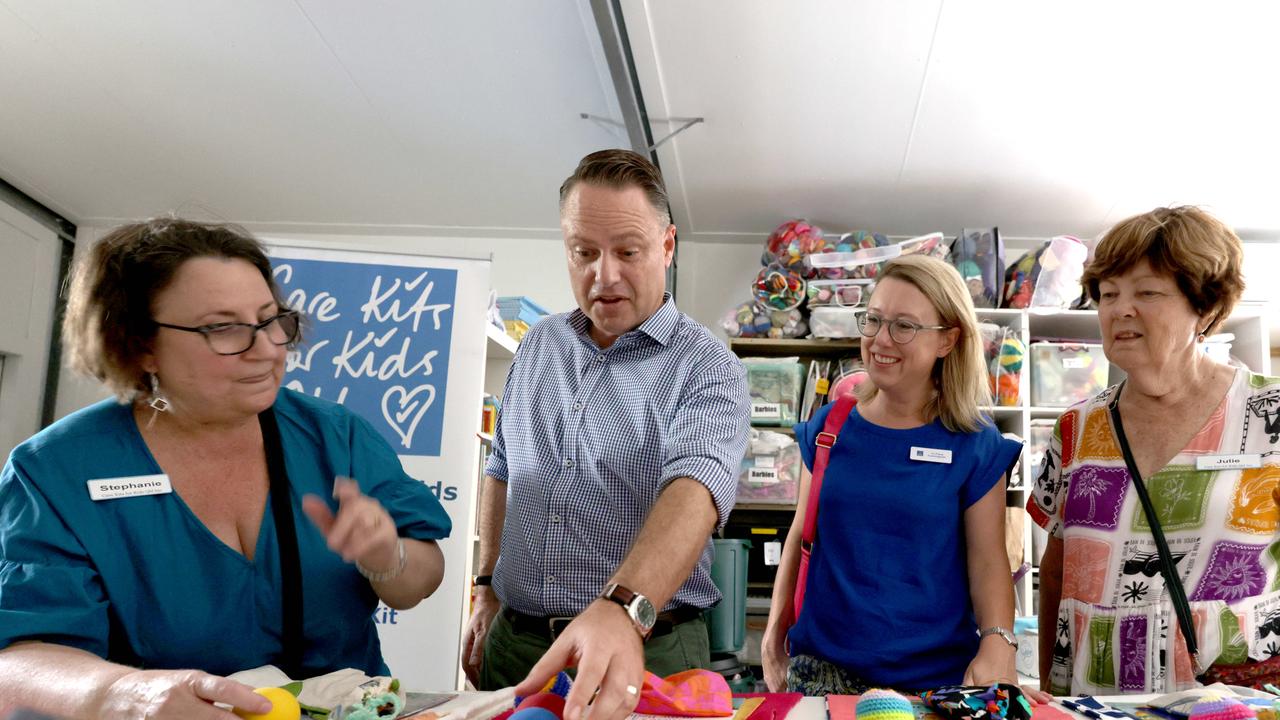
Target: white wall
{"x":28,"y":277}
{"x":532,"y":267}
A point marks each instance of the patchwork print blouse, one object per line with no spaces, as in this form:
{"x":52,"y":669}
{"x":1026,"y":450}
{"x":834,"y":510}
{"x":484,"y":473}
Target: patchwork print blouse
{"x":1116,"y":628}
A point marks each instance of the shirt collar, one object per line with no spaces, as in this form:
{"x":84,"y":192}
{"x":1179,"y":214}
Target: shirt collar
{"x":660,"y":326}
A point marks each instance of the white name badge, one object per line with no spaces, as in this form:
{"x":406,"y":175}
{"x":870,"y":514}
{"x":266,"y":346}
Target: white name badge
{"x":125,"y":487}
{"x":1229,"y":462}
{"x":933,"y":455}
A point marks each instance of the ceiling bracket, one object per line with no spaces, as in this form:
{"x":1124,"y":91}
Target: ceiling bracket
{"x":688,"y":123}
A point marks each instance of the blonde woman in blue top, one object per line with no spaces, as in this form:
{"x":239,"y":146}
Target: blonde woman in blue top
{"x":909,"y":584}
{"x":151,"y":546}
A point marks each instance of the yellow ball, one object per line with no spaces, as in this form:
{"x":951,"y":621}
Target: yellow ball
{"x":284,"y":706}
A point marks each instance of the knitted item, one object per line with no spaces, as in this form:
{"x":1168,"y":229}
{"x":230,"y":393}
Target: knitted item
{"x":1221,"y":708}
{"x":883,"y":705}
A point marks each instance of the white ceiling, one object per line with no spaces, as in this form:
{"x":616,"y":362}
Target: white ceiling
{"x":909,"y":117}
{"x":461,"y":118}
{"x":449,"y":118}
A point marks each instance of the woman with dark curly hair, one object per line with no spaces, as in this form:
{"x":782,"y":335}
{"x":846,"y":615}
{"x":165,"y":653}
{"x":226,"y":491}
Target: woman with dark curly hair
{"x":152,"y":543}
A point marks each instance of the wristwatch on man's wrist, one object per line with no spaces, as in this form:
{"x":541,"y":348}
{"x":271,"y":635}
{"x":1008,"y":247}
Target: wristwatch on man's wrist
{"x":1004,"y":633}
{"x":638,"y":607}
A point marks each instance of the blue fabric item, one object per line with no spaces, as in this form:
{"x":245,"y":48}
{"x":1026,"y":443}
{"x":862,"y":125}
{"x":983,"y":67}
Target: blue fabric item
{"x":588,"y":438}
{"x":141,"y":581}
{"x":888,"y":582}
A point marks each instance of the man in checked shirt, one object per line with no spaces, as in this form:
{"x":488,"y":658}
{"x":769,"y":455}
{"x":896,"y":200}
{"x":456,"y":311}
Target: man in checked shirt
{"x":616,"y":455}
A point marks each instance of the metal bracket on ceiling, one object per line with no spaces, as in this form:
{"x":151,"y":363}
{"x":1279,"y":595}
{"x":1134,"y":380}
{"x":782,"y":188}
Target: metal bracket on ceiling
{"x":688,"y":123}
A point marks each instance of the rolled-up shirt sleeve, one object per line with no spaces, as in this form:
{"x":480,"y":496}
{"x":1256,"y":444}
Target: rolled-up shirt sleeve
{"x":49,"y":589}
{"x":708,"y":437}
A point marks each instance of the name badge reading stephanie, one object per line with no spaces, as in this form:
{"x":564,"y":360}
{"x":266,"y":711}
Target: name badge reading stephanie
{"x":933,"y":455}
{"x":1229,"y":462}
{"x":126,"y":487}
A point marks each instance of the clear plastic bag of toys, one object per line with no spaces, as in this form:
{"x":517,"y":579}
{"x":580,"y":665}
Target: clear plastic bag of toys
{"x":778,"y":288}
{"x":851,"y":292}
{"x":790,"y":245}
{"x":775,"y":385}
{"x":770,"y":470}
{"x":752,"y":320}
{"x":1005,"y":355}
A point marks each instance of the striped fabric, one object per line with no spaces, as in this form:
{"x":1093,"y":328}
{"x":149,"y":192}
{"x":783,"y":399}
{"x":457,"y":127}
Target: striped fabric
{"x":588,"y":438}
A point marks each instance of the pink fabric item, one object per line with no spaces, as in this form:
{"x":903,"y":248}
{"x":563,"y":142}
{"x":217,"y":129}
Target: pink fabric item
{"x":692,"y":693}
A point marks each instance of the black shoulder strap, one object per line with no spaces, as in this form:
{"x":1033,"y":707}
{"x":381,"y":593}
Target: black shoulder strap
{"x":1168,"y":568}
{"x":290,"y":660}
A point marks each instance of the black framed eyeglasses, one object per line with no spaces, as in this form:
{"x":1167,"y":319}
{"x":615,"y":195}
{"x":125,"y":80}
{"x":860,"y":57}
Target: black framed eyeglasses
{"x":236,"y":338}
{"x":901,"y":331}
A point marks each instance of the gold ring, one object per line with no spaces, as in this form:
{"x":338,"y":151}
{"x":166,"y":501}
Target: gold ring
{"x":632,"y":690}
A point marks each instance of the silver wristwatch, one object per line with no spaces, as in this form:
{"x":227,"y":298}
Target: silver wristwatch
{"x":1004,"y":633}
{"x":639,"y":609}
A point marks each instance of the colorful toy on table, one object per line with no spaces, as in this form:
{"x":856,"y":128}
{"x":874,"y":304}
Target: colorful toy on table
{"x":558,"y":685}
{"x":1220,"y":707}
{"x":877,"y":704}
{"x":691,"y":693}
{"x":1001,"y":700}
{"x":792,"y":243}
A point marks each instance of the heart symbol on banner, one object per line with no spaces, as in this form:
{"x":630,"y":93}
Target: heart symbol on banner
{"x":407,"y":406}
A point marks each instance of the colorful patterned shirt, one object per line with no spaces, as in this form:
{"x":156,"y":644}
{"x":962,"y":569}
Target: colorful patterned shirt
{"x":1116,"y":628}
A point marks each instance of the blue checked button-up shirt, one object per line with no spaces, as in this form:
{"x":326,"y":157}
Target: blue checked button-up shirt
{"x":587,"y":439}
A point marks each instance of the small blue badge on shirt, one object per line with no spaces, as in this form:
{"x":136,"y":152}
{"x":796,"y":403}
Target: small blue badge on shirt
{"x":933,"y":455}
{"x":126,"y":487}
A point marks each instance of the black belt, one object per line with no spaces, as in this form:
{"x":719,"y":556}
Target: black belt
{"x":548,"y":628}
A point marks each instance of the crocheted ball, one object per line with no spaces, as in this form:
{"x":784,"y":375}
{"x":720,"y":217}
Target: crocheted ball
{"x":1221,"y":708}
{"x":883,"y":705}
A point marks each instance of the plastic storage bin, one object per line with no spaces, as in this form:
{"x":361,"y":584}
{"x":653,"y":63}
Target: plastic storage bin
{"x":728,"y":621}
{"x":1063,"y":374}
{"x":834,"y":322}
{"x":775,"y":385}
{"x":852,"y":292}
{"x":770,"y":470}
{"x":519,"y":307}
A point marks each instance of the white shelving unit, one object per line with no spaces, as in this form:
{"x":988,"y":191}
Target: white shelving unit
{"x":1251,"y":346}
{"x":500,"y":350}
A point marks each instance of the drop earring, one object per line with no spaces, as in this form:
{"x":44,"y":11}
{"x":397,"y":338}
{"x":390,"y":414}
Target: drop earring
{"x":159,"y":402}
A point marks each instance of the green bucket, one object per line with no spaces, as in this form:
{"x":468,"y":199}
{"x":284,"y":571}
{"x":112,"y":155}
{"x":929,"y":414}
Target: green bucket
{"x":728,"y":620}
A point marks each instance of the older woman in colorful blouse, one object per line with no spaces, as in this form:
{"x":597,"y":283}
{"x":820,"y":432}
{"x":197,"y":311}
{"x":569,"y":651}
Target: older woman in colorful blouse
{"x":1202,"y":437}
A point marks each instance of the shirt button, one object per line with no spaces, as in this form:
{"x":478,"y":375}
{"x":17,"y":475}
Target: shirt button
{"x":577,"y":406}
{"x":568,"y":463}
{"x":555,"y":519}
{"x":551,"y":579}
{"x":599,"y":358}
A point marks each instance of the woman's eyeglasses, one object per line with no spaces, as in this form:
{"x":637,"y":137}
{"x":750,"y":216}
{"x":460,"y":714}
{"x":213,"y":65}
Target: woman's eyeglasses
{"x":900,"y":331}
{"x":236,"y":338}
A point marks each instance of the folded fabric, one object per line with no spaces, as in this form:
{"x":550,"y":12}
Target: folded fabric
{"x":339,"y":688}
{"x":692,"y":693}
{"x":1001,"y":700}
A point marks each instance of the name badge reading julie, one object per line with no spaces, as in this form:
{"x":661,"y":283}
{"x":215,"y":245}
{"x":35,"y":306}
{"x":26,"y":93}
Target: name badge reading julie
{"x":127,"y":487}
{"x":1229,"y":462}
